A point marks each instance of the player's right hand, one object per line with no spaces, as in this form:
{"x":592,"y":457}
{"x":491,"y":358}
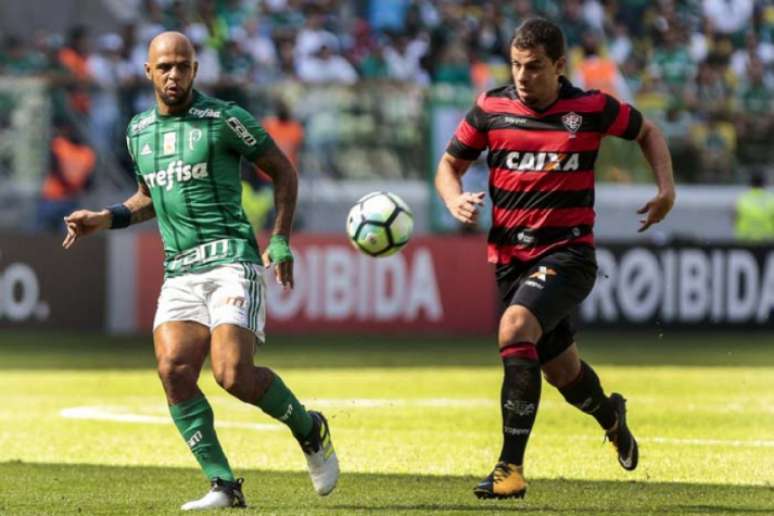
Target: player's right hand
{"x":84,"y":222}
{"x":466,"y":206}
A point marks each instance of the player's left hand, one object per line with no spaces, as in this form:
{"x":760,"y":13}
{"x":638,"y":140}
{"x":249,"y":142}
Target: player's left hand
{"x":656,"y":209}
{"x":279,"y":254}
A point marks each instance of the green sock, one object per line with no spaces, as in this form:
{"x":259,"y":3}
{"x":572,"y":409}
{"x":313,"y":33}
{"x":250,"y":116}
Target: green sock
{"x":194,"y":420}
{"x":280,"y":403}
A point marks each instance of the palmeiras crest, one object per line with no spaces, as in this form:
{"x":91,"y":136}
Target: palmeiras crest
{"x":572,"y":122}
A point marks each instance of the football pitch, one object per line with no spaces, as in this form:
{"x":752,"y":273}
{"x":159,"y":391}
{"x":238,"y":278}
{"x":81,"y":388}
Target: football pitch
{"x":84,"y":428}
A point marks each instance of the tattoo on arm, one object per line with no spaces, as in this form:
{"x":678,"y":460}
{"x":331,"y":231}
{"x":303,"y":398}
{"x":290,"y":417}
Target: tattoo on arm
{"x":285,"y":179}
{"x":141,"y":205}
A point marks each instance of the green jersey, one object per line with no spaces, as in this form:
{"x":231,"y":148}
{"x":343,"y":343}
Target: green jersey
{"x":190,"y":163}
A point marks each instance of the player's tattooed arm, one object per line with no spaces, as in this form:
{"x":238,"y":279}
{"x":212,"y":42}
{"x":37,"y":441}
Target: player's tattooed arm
{"x":82,"y":223}
{"x":285,"y":179}
{"x":140,"y":204}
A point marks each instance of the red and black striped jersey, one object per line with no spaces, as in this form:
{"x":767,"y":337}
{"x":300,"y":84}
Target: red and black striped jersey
{"x":541,"y":164}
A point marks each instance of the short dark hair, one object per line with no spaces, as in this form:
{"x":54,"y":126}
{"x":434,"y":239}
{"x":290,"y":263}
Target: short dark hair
{"x":536,"y":32}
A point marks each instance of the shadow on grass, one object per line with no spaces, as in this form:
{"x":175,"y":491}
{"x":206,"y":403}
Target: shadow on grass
{"x":88,"y":489}
{"x":47,"y":350}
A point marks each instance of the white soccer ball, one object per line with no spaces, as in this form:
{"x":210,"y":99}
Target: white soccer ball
{"x":380,"y":224}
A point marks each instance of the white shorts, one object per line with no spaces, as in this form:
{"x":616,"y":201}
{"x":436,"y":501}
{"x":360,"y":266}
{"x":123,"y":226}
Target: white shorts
{"x":227,"y":294}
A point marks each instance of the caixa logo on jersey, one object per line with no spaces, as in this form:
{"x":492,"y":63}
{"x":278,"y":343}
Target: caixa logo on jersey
{"x":20,"y":294}
{"x":176,"y":172}
{"x":682,"y":285}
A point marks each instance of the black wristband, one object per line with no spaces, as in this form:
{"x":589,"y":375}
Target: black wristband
{"x":121,"y":216}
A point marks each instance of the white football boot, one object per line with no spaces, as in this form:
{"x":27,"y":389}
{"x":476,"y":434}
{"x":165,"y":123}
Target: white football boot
{"x":223,"y":494}
{"x":321,"y":458}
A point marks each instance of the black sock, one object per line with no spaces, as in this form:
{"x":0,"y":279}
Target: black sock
{"x":585,"y":393}
{"x":519,"y":399}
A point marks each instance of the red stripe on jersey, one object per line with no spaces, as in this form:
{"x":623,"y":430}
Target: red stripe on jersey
{"x":541,"y":181}
{"x":547,"y":217}
{"x":618,"y":127}
{"x":505,"y":253}
{"x":550,"y":141}
{"x":468,"y":135}
{"x":504,"y":105}
{"x":592,"y":103}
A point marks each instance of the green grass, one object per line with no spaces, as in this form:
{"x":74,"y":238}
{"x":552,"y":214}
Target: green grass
{"x":415,"y":423}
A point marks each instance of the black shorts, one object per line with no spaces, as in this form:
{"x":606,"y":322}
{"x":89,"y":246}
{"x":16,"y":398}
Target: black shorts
{"x":551,"y":287}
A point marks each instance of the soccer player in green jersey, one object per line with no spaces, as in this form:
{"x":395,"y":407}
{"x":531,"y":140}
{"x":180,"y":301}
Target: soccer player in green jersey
{"x":186,"y":153}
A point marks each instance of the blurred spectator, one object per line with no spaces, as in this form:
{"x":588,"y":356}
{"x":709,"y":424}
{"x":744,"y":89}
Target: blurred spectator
{"x":676,"y":124}
{"x":208,"y":74}
{"x":672,"y":63}
{"x":313,"y":36}
{"x":490,"y":39}
{"x":730,"y":17}
{"x":326,"y":67}
{"x":387,"y":15}
{"x":71,"y":167}
{"x":110,"y":73}
{"x":755,"y":117}
{"x":710,"y":93}
{"x":717,"y":141}
{"x":600,"y":73}
{"x":260,"y":47}
{"x":287,"y":132}
{"x":150,"y":23}
{"x":754,"y":50}
{"x":17,"y":59}
{"x":237,"y":72}
{"x":454,"y":67}
{"x":374,"y":65}
{"x":403,"y":60}
{"x":73,"y":56}
{"x":620,"y":47}
{"x":755,"y":212}
{"x":572,"y":23}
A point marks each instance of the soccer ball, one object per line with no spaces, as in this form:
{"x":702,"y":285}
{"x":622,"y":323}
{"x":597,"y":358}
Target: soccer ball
{"x":380,"y":224}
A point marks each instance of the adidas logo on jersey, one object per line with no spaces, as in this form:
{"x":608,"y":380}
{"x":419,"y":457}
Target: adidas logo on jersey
{"x":176,"y":172}
{"x":546,"y":161}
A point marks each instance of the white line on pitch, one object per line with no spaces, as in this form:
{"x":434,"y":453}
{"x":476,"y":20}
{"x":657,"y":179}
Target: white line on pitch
{"x":123,"y":415}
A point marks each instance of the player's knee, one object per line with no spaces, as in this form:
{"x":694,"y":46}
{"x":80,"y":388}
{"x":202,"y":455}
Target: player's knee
{"x":559,"y":377}
{"x":518,"y":325}
{"x":227,"y":376}
{"x":176,"y":374}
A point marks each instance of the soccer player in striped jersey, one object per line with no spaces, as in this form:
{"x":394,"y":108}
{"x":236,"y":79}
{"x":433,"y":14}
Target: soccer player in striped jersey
{"x":542,"y":135}
{"x":186,"y":152}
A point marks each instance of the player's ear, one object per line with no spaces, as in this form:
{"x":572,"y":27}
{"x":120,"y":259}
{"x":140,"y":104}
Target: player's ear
{"x":195,"y":69}
{"x":559,"y":65}
{"x":148,"y":72}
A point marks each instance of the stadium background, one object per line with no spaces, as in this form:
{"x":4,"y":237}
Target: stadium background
{"x":363,"y":95}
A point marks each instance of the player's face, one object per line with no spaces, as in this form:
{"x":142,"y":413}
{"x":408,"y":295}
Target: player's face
{"x":536,"y":76}
{"x":172,"y":69}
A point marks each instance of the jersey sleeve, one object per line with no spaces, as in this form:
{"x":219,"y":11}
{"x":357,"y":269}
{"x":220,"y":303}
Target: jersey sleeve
{"x":470,"y":138}
{"x":620,"y":119}
{"x":244,"y":134}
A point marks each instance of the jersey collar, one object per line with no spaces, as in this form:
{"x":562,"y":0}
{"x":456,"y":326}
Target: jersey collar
{"x":566,"y":90}
{"x":195,"y":97}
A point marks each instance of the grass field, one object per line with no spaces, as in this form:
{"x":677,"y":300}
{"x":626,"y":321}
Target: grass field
{"x":84,"y":428}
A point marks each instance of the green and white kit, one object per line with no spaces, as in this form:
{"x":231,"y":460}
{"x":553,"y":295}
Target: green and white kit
{"x":190,"y":163}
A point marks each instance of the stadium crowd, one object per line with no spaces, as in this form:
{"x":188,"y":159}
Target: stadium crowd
{"x":704,"y":69}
